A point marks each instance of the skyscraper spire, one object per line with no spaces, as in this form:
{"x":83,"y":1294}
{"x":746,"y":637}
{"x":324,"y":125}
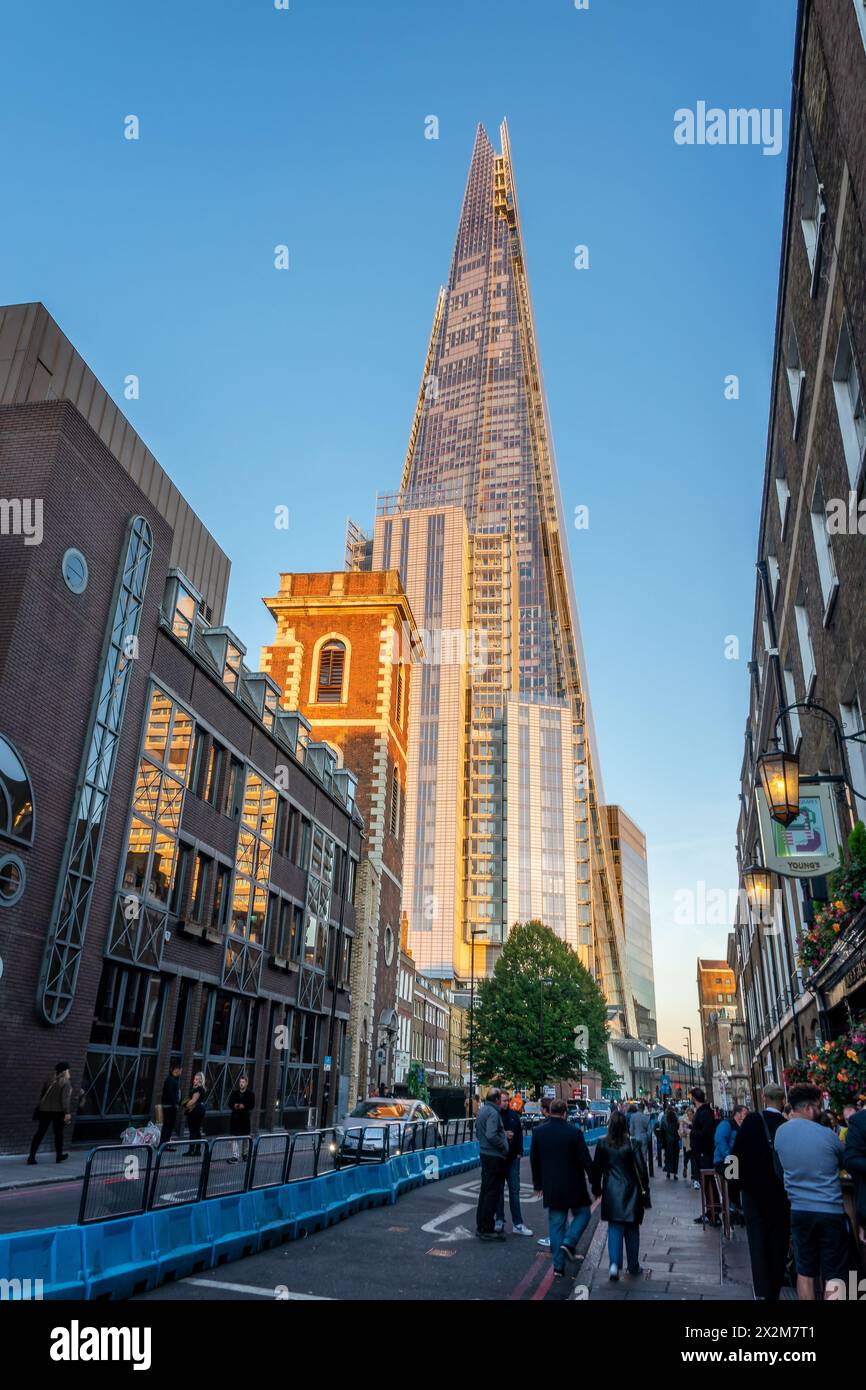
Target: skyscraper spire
{"x":504,"y":820}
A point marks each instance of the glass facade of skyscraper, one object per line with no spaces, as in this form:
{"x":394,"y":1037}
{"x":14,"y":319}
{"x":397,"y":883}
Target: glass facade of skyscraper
{"x":503,"y":782}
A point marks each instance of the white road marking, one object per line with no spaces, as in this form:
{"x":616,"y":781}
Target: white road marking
{"x":253,"y":1289}
{"x":457,"y":1232}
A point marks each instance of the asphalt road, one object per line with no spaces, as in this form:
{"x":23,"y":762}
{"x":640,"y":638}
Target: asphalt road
{"x":423,"y":1247}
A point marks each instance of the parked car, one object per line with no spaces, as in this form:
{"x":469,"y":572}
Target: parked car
{"x":377,"y":1122}
{"x":600,"y":1110}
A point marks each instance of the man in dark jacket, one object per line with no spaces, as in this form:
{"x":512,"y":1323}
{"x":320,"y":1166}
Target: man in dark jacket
{"x":493,"y":1146}
{"x":766,"y":1209}
{"x":513,"y":1127}
{"x":855,"y":1160}
{"x":561,"y":1164}
{"x":170,"y":1102}
{"x":53,"y":1111}
{"x":702,"y":1135}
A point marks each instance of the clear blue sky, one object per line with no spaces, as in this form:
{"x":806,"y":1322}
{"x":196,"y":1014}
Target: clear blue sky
{"x":261,"y":387}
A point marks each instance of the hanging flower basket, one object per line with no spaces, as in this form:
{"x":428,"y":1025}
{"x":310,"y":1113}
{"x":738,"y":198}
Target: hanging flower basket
{"x":837,"y":1067}
{"x":847,"y":900}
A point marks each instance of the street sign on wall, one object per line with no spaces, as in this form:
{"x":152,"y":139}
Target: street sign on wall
{"x":809,"y":846}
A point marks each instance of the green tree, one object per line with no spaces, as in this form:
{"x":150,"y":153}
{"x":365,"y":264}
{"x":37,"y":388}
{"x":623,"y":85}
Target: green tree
{"x":527,"y":1010}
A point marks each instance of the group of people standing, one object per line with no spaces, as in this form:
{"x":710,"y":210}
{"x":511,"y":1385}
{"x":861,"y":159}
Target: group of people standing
{"x":54,"y":1110}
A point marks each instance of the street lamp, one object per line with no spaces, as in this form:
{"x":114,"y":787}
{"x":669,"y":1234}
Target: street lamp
{"x":688,"y":1030}
{"x":473,"y":932}
{"x":758,"y":883}
{"x":545,"y":981}
{"x":780,"y":778}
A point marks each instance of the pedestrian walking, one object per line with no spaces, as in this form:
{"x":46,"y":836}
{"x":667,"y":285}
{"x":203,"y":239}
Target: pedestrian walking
{"x":513,"y":1127}
{"x":639,"y":1132}
{"x":854,"y":1162}
{"x":170,"y":1102}
{"x":671,"y":1133}
{"x":620,"y":1176}
{"x":241,"y":1102}
{"x":659,"y":1135}
{"x":686,"y":1138}
{"x":702,"y":1136}
{"x":53,"y":1111}
{"x":493,"y":1148}
{"x":811,"y":1158}
{"x":723,"y":1143}
{"x":766,"y":1209}
{"x":195,"y":1108}
{"x":561,"y":1165}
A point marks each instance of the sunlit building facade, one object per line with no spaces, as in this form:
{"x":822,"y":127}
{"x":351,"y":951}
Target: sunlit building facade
{"x":628,"y":844}
{"x":502,"y":762}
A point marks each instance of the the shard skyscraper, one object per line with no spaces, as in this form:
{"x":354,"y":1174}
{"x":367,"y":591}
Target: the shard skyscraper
{"x":503,"y":808}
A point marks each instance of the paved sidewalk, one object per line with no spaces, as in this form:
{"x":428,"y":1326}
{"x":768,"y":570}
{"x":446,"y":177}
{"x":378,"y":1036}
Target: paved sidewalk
{"x":15,"y":1171}
{"x":680,"y":1260}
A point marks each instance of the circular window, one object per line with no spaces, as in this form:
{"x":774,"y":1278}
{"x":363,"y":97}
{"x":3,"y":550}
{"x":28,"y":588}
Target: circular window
{"x":75,"y":571}
{"x":12,"y":879}
{"x":389,"y":945}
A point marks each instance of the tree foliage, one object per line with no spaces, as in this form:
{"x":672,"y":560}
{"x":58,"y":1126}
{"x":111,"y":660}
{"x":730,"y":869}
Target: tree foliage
{"x":527,"y":1010}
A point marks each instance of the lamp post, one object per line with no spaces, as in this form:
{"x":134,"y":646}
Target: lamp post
{"x":688,"y":1030}
{"x":779,"y":770}
{"x":544,"y":981}
{"x":473,"y":932}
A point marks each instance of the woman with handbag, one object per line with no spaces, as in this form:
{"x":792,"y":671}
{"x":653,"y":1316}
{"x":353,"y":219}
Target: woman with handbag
{"x":620,"y":1177}
{"x":195,"y":1109}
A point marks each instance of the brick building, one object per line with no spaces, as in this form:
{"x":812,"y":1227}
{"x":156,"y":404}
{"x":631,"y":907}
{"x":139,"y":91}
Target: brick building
{"x":717,"y":1005}
{"x":177,"y":861}
{"x":342,"y":655}
{"x":809,"y":642}
{"x":431,"y":1031}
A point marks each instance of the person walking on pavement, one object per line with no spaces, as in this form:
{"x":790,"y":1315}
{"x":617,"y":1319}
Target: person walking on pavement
{"x":53,"y":1111}
{"x":659,"y":1135}
{"x":493,"y":1148}
{"x":561,"y":1165}
{"x":638,"y":1132}
{"x":702,"y":1137}
{"x":766,"y":1209}
{"x":170,"y":1102}
{"x":241,"y":1102}
{"x":196,"y":1108}
{"x":811,"y":1158}
{"x":620,"y":1176}
{"x":723,"y":1143}
{"x":514,"y":1134}
{"x":671,"y":1132}
{"x":854,"y":1162}
{"x":686,"y":1138}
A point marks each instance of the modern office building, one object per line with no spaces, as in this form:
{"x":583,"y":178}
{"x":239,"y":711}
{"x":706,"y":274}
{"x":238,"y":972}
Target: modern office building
{"x":504,"y":806}
{"x":628,"y":847}
{"x":809,"y":627}
{"x":340,"y":659}
{"x":177,"y":857}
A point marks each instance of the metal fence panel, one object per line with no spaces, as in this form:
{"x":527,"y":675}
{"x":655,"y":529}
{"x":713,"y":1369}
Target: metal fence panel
{"x":180,"y":1174}
{"x":270,"y":1159}
{"x":229,"y":1168}
{"x":116,"y":1180}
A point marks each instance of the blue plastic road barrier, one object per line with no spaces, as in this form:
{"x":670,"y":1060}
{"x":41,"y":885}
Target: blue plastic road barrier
{"x":232,"y":1225}
{"x":127,"y":1255}
{"x":43,"y":1264}
{"x":119,"y":1257}
{"x":181,"y":1241}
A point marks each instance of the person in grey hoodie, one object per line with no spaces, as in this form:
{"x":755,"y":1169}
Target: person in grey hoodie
{"x":493,"y":1147}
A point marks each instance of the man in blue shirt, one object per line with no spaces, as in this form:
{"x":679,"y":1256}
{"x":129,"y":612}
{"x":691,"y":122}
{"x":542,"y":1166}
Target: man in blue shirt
{"x":811,"y":1157}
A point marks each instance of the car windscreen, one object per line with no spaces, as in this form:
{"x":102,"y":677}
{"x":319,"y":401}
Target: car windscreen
{"x":380,"y":1110}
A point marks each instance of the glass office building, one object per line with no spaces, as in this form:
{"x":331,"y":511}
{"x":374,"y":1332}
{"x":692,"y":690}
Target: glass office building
{"x":503,"y":810}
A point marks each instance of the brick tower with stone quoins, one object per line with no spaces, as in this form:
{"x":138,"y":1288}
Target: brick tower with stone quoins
{"x":342,"y":655}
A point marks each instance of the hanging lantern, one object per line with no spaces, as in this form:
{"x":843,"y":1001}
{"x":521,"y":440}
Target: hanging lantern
{"x":780,"y":778}
{"x":758,"y":883}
